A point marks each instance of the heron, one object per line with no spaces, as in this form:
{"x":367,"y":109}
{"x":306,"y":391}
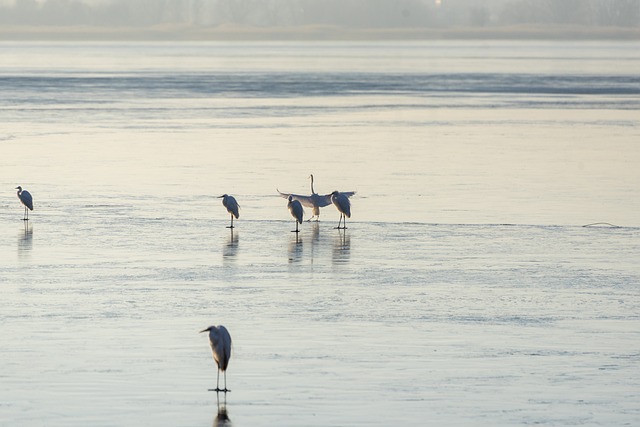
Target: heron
{"x":295,"y":207}
{"x":315,"y":201}
{"x":232,"y":206}
{"x":27,"y":201}
{"x":220,"y":342}
{"x":342,"y":203}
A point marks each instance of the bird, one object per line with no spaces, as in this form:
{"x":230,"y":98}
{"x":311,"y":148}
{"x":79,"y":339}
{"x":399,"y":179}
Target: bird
{"x":220,"y":342}
{"x":342,"y":203}
{"x":296,"y":211}
{"x":315,"y":201}
{"x":27,"y":201}
{"x":232,"y":206}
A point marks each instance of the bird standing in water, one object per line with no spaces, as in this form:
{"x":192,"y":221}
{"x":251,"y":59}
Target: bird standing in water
{"x":315,"y":201}
{"x":220,"y":342}
{"x":342,"y":203}
{"x":296,"y":211}
{"x":232,"y":206}
{"x":27,"y":201}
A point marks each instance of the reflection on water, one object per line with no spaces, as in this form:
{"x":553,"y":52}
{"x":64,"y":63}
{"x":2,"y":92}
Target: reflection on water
{"x":222,"y":417}
{"x":230,"y":248}
{"x":341,"y":247}
{"x":25,"y":239}
{"x":315,"y":231}
{"x":315,"y":237}
{"x":295,"y":248}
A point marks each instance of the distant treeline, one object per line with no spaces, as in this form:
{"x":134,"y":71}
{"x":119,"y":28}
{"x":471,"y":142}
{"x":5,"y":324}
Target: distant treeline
{"x":341,"y":13}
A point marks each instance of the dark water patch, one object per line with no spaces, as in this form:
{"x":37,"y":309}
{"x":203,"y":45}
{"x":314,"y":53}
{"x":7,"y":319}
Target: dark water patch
{"x":71,"y":88}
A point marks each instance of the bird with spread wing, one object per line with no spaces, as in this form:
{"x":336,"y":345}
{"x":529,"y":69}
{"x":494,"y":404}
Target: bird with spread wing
{"x":315,"y":201}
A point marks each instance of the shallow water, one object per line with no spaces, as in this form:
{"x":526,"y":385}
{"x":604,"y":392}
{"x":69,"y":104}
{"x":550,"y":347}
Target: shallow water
{"x":464,"y":292}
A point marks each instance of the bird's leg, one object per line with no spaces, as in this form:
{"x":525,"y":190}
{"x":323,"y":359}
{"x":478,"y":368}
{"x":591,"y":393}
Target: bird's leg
{"x":344,"y":224}
{"x":225,"y":382}
{"x":218,"y":381}
{"x":339,"y":222}
{"x":231,"y":226}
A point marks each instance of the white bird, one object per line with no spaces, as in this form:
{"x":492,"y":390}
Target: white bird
{"x":296,"y":211}
{"x":315,"y":201}
{"x":220,"y":342}
{"x":27,"y":201}
{"x":232,"y":206}
{"x":342,"y":203}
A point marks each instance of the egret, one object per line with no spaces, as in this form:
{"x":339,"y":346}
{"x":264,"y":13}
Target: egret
{"x":342,"y":203}
{"x":296,"y":211}
{"x":27,"y":201}
{"x":220,"y":342}
{"x":232,"y":206}
{"x":315,"y":201}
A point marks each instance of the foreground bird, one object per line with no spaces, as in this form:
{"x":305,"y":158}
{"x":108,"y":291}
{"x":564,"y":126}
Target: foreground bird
{"x":220,"y":342}
{"x":232,"y":206}
{"x":296,"y":211}
{"x":27,"y":201}
{"x":315,"y":201}
{"x":342,"y":203}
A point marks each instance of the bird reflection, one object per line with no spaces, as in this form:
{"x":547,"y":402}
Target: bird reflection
{"x":315,"y":237}
{"x":230,"y":248}
{"x":295,"y":249}
{"x":25,"y":238}
{"x":341,"y":247}
{"x":315,"y":232}
{"x":222,"y":416}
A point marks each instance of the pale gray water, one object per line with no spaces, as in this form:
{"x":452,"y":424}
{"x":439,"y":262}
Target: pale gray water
{"x":465,"y":291}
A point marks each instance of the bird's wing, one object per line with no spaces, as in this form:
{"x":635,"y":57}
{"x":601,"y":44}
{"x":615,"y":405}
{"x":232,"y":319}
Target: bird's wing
{"x":345,"y":205}
{"x":26,"y":198}
{"x":285,"y":195}
{"x":299,"y":213}
{"x":305,"y":200}
{"x":322,"y":200}
{"x":234,"y":207}
{"x":348,"y":193}
{"x":224,"y":347}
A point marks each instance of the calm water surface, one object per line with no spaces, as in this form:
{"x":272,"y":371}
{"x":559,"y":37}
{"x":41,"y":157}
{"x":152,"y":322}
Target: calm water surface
{"x":464,"y":292}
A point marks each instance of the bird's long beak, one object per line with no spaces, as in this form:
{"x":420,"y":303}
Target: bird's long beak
{"x":220,"y":197}
{"x":204,"y":330}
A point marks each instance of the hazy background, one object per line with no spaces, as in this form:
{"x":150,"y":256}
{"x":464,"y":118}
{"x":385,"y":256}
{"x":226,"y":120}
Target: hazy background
{"x":214,"y":19}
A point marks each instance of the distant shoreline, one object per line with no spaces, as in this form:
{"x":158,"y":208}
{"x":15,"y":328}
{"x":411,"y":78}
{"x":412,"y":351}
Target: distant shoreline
{"x":312,"y":33}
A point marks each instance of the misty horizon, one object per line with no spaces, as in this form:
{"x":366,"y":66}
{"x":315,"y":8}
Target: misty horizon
{"x":202,"y":19}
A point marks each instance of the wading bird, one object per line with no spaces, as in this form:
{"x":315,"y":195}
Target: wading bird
{"x":27,"y":201}
{"x":220,"y":342}
{"x":342,"y":203}
{"x":315,"y":201}
{"x":296,"y":211}
{"x":232,"y":206}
